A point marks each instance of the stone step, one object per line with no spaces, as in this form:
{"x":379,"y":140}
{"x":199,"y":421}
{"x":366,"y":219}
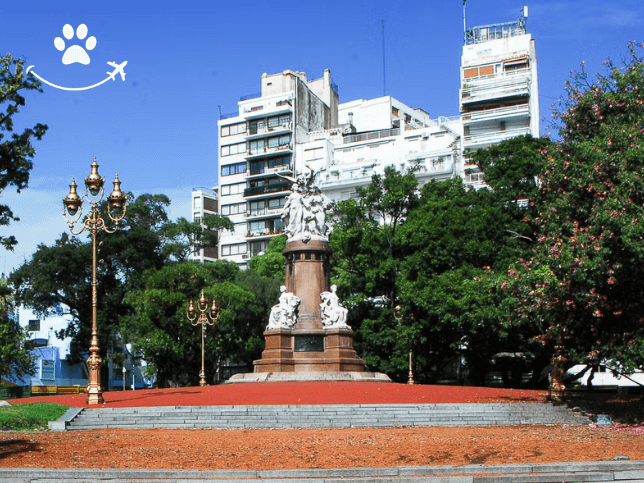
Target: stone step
{"x":601,"y":471}
{"x":332,"y":416}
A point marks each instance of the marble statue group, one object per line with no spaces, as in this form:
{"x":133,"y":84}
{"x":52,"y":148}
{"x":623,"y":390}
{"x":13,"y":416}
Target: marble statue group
{"x":305,"y":210}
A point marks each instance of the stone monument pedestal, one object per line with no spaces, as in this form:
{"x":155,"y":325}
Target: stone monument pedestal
{"x":308,"y":347}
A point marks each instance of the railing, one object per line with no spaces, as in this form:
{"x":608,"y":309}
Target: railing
{"x":495,"y":88}
{"x":354,"y":138}
{"x":263,"y":212}
{"x":274,"y":188}
{"x":266,"y":150}
{"x":486,"y":33}
{"x":265,"y":232}
{"x":229,"y":115}
{"x":250,"y":96}
{"x":495,"y":136}
{"x":271,"y":128}
{"x":501,"y":112}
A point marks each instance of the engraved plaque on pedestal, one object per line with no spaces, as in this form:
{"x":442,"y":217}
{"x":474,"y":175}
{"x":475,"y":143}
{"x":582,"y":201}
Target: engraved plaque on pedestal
{"x":308,"y":343}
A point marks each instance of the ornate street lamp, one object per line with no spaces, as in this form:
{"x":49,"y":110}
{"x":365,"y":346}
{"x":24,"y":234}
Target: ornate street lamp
{"x":399,"y":318}
{"x":93,"y":222}
{"x":206,"y":316}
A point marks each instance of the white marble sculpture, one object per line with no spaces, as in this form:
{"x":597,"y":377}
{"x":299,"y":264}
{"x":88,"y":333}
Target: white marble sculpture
{"x":334,"y":315}
{"x":305,"y":210}
{"x":283,"y":315}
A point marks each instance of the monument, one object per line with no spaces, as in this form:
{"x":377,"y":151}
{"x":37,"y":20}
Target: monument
{"x":307,"y":335}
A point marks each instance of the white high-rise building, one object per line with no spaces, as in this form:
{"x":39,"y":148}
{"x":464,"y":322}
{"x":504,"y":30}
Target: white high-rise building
{"x":295,"y":125}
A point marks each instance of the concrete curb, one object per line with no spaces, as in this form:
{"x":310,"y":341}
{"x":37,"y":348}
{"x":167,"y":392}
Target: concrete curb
{"x":601,"y":471}
{"x":63,"y":422}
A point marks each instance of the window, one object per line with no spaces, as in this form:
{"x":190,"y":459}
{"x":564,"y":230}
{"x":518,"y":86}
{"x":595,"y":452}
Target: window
{"x":279,"y":121}
{"x":275,"y":203}
{"x":279,"y":161}
{"x":233,"y":169}
{"x":34,"y":325}
{"x":233,"y":129}
{"x":209,"y":204}
{"x":258,"y":228}
{"x":197,"y":219}
{"x":235,"y":249}
{"x":232,"y":189}
{"x":231,"y":149}
{"x":258,"y":247}
{"x":257,"y":207}
{"x":234,"y":209}
{"x":257,"y":147}
{"x":197,"y":203}
{"x":279,"y":141}
{"x":256,"y":167}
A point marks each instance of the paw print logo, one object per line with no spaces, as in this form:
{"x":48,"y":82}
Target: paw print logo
{"x":75,"y":53}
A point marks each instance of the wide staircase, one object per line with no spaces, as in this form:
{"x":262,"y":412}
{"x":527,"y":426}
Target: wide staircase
{"x":326,"y":416}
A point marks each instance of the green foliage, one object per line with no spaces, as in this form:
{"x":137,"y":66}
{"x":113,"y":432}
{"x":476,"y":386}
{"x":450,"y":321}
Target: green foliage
{"x":586,"y":278}
{"x":15,"y":358}
{"x":16,"y":152}
{"x":272,"y":263}
{"x":161,"y":330}
{"x":429,"y":252}
{"x":185,"y":237}
{"x":21,"y":417}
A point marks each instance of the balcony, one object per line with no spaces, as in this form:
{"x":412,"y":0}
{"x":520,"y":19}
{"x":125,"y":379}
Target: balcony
{"x":494,"y":137}
{"x":263,"y":234}
{"x":486,"y":33}
{"x":270,"y":130}
{"x":492,"y":87}
{"x":266,"y":108}
{"x":283,"y":149}
{"x":355,"y":138}
{"x":253,"y":215}
{"x":267,"y":190}
{"x":266,"y":172}
{"x":520,"y":110}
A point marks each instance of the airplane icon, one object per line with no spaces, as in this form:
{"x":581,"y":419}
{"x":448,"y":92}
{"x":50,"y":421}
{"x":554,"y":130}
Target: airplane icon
{"x":118,"y":69}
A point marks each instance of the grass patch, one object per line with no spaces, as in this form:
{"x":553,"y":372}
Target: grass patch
{"x":30,"y":416}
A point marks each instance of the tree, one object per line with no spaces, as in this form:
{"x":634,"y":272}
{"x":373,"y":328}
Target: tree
{"x":60,"y":275}
{"x":16,"y":152}
{"x":184,"y":237}
{"x":433,"y":252}
{"x":585,"y":281}
{"x":16,"y":360}
{"x":161,"y":331}
{"x":271,"y":264}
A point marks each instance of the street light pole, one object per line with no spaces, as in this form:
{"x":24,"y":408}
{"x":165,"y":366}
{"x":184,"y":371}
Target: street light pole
{"x":93,"y":222}
{"x":206,"y":316}
{"x":398,"y":316}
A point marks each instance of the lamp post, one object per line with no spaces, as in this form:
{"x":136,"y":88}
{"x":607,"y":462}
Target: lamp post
{"x":93,"y":222}
{"x":398,"y":316}
{"x":206,"y":316}
{"x":124,"y":371}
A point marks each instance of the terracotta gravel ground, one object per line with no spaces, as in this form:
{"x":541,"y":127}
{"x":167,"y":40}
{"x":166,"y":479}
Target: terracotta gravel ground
{"x":207,"y":449}
{"x":210,"y":449}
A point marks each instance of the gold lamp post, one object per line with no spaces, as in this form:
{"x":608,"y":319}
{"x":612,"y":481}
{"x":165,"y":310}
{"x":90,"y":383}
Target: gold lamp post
{"x":93,"y":222}
{"x":398,"y":315}
{"x":206,"y":316}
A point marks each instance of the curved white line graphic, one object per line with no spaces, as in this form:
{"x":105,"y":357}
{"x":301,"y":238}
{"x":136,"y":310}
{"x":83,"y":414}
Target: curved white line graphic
{"x":67,"y":88}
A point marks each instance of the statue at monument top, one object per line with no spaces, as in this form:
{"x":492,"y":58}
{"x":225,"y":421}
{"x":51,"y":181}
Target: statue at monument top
{"x":304,"y":212}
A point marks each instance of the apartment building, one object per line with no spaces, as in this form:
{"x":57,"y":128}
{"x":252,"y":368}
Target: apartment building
{"x":204,"y":202}
{"x":499,"y":95}
{"x":295,"y":125}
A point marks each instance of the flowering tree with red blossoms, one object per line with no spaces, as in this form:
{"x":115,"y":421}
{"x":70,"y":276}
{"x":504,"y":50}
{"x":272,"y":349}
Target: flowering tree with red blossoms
{"x":585,"y":281}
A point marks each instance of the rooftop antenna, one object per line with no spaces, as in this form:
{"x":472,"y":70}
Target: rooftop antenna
{"x":384,"y":77}
{"x":219,"y":112}
{"x":464,"y":24}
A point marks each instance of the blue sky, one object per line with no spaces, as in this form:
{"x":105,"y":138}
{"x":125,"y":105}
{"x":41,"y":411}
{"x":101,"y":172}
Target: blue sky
{"x":187,"y":60}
